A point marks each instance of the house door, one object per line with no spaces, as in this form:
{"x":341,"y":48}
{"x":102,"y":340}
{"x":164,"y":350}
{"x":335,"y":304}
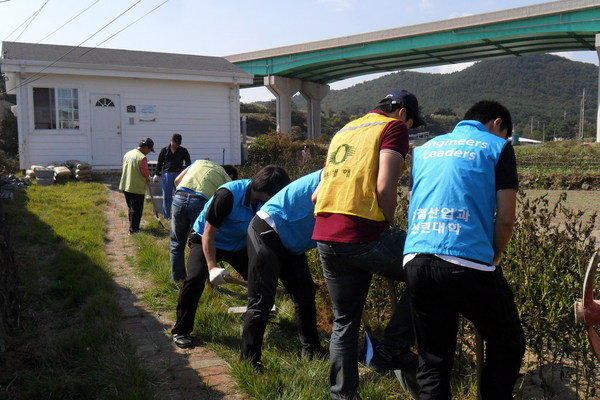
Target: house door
{"x":106,"y":130}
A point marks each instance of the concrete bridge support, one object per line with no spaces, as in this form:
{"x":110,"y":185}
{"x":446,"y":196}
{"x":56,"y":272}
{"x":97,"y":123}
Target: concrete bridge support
{"x":283,"y":89}
{"x":598,"y":114}
{"x":313,"y":93}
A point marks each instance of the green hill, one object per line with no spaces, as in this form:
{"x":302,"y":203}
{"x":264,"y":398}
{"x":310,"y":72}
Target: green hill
{"x":541,"y":86}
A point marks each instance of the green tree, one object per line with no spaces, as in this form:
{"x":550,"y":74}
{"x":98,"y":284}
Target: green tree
{"x":9,"y":142}
{"x":563,"y":128}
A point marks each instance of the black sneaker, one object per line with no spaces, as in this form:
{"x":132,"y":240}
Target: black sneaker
{"x":392,"y":359}
{"x":314,"y":352}
{"x":182,"y":341}
{"x":258,"y":366}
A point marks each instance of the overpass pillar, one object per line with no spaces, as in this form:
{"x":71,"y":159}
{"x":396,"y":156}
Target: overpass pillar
{"x":598,"y":113}
{"x":313,"y":93}
{"x":283,"y":89}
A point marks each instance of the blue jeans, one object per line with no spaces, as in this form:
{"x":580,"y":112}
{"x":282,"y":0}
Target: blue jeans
{"x":348,"y":269}
{"x":168,"y":182}
{"x":185,"y":209}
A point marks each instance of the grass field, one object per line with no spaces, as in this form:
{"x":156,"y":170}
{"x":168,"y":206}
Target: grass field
{"x":59,"y":231}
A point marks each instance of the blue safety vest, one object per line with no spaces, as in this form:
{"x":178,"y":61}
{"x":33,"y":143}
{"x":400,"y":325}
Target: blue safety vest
{"x":292,"y":212}
{"x":233,"y":231}
{"x":453,"y":199}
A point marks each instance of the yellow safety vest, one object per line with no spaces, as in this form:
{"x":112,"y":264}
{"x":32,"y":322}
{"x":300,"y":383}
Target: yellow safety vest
{"x":349,"y":180}
{"x":204,"y":177}
{"x":132,"y":180}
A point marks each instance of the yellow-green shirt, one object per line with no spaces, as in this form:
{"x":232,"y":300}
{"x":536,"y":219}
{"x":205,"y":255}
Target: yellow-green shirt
{"x":132,"y":180}
{"x":204,"y":177}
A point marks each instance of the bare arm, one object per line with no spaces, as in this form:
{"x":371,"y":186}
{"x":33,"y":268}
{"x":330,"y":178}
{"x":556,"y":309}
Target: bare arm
{"x":180,"y":176}
{"x":208,"y":245}
{"x":315,"y":194}
{"x":506,"y":203}
{"x":390,"y":164}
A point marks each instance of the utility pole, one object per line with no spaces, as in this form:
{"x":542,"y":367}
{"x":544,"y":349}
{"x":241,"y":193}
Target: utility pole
{"x":531,"y":127}
{"x":581,"y":116}
{"x":544,"y":133}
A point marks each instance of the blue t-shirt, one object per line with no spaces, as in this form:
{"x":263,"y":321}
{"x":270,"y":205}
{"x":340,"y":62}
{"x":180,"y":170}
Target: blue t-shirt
{"x":292,"y":211}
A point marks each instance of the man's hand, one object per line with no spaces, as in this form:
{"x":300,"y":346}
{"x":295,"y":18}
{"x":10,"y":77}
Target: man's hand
{"x":155,"y":178}
{"x":217,"y":276}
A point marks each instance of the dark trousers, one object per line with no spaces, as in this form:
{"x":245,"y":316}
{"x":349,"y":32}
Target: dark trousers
{"x":348,"y":269}
{"x":135,"y":204}
{"x":193,"y":285}
{"x":439,"y":291}
{"x":268,"y":261}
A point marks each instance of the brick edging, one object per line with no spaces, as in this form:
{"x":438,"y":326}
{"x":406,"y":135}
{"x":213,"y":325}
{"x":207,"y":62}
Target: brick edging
{"x":196,"y":373}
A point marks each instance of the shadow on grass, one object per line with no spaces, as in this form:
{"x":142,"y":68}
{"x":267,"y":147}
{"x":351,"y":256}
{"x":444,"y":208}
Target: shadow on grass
{"x":68,"y":343}
{"x":80,"y":335}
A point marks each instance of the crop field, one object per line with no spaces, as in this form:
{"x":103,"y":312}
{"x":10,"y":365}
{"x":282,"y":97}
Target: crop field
{"x":587,"y":201}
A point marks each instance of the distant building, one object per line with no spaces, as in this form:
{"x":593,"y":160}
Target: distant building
{"x":517,"y":140}
{"x":94,"y":104}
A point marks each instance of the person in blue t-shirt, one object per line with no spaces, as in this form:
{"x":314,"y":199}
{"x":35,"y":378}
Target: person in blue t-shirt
{"x":461,"y":216}
{"x":278,"y":237}
{"x":219,"y":234}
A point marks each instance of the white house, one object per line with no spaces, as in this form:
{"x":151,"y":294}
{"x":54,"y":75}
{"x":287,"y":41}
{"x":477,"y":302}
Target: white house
{"x":93,"y":104}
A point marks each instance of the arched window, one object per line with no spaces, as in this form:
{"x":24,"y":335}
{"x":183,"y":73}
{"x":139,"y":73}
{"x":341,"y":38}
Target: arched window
{"x":105,"y":102}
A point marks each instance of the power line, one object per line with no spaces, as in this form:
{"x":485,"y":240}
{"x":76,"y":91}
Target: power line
{"x":115,"y":34}
{"x":32,"y":19}
{"x":24,"y":22}
{"x":39,"y":75}
{"x":63,"y":25}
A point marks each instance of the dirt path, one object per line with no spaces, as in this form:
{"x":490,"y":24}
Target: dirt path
{"x":197,"y":373}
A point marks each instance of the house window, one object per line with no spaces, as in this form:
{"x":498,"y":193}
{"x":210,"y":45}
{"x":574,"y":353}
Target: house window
{"x":55,"y":108}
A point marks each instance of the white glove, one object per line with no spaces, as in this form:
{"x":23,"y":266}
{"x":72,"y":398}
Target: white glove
{"x":217,"y":276}
{"x":155,"y":178}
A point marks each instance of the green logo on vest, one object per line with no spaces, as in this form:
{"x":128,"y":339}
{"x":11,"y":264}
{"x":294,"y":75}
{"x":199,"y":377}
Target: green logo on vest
{"x":341,"y":154}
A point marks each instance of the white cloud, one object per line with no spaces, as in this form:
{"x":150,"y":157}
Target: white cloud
{"x":458,"y":15}
{"x":448,"y":69}
{"x":425,"y":4}
{"x":583,"y":56}
{"x":339,"y":5}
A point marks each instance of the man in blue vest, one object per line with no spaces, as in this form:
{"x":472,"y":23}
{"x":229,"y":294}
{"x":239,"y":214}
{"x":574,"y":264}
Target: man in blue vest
{"x":461,"y":216}
{"x":278,"y":237}
{"x":219,"y":234}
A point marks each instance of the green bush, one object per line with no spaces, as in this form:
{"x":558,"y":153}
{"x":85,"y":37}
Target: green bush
{"x":545,"y":264}
{"x":279,"y":149}
{"x":8,"y":165}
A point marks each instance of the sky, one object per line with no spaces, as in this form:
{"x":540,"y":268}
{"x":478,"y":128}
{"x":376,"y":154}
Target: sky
{"x":221,"y":28}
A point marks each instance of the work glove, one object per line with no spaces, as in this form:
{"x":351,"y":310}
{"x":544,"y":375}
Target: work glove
{"x":155,"y":178}
{"x":217,"y":276}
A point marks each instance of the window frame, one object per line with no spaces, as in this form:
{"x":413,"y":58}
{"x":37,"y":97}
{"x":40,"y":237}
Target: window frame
{"x":65,"y":106}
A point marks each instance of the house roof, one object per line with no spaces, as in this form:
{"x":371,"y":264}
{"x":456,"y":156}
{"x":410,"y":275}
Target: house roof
{"x":115,"y":58}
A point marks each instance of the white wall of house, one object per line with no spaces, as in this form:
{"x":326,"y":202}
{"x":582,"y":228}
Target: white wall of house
{"x":206,"y":114}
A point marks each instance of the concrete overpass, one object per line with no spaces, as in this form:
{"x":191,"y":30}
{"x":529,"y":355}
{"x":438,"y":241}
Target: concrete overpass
{"x":567,"y":25}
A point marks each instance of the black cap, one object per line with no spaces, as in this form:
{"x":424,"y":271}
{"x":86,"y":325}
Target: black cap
{"x":176,"y":138}
{"x":406,"y":99}
{"x":148,"y":143}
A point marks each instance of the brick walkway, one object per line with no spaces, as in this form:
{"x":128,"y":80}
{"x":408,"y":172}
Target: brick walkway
{"x":192,"y":374}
